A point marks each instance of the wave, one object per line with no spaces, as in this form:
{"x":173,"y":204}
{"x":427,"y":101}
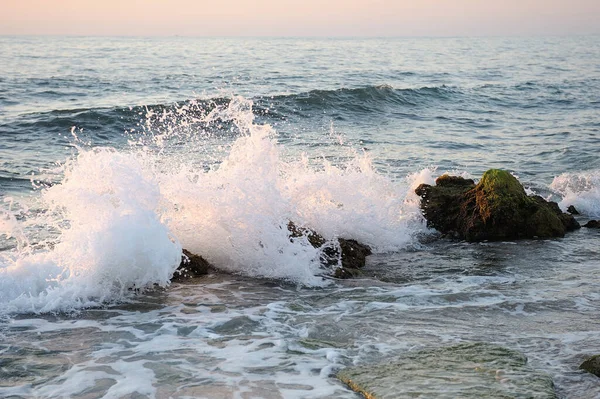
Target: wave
{"x":100,"y":123}
{"x":582,"y":190}
{"x":118,"y":216}
{"x":352,"y":103}
{"x":367,"y":99}
{"x":104,"y":123}
{"x":121,"y":216}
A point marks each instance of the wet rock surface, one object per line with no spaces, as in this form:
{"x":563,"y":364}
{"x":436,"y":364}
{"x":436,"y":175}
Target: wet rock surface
{"x":349,"y":255}
{"x":592,"y":365}
{"x":192,"y":265}
{"x":497,"y":208}
{"x":346,"y":256}
{"x":571,"y":209}
{"x":471,"y":370}
{"x":353,"y":257}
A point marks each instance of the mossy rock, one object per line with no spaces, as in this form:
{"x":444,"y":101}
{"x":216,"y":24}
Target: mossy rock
{"x":497,"y":193}
{"x":497,"y":208}
{"x":442,"y":204}
{"x":471,"y":370}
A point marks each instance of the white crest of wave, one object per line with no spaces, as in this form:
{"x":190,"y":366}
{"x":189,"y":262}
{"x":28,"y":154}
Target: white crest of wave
{"x":111,"y":238}
{"x":236,"y":214}
{"x":582,"y":190}
{"x":123,"y":216}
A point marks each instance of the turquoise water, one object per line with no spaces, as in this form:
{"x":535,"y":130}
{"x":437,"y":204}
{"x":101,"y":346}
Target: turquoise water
{"x":117,"y":152}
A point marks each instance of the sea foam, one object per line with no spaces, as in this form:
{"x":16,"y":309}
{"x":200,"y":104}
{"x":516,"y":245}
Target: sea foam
{"x":121,"y":216}
{"x":581,"y":190}
{"x":110,"y":238}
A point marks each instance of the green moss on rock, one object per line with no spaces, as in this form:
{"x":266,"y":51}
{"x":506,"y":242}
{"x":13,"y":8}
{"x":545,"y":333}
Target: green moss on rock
{"x":546,"y":220}
{"x":499,"y":193}
{"x":497,"y":208}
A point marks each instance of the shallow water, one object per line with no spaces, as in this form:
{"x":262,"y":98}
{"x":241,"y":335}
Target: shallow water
{"x":228,"y":336}
{"x":139,"y":147}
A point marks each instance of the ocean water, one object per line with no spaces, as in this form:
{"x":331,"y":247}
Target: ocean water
{"x":116,"y":153}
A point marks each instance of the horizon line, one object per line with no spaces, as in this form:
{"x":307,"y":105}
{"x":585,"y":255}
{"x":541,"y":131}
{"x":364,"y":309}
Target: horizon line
{"x":504,"y":35}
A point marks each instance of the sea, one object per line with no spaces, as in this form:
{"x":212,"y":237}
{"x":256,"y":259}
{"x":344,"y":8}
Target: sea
{"x":118,"y":152}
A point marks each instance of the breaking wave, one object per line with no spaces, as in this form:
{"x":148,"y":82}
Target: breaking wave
{"x":581,"y":190}
{"x":118,"y":218}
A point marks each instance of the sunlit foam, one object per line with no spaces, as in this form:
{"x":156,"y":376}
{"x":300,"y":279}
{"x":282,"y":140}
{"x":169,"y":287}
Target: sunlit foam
{"x":122,"y":216}
{"x":111,"y":238}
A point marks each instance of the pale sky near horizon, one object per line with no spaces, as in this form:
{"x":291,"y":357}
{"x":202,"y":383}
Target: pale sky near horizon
{"x":300,"y":17}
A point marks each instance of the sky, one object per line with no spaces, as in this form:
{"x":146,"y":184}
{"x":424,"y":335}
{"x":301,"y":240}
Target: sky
{"x":299,"y":18}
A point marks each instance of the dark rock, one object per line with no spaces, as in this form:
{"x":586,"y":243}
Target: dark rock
{"x":592,"y":224}
{"x":349,"y":255}
{"x":453,"y":181}
{"x":441,"y":204}
{"x":570,"y":223}
{"x":497,"y":208}
{"x":571,"y":209}
{"x":315,"y":239}
{"x":353,"y":258}
{"x":469,"y":370}
{"x":592,"y":365}
{"x":354,"y":254}
{"x":192,"y":265}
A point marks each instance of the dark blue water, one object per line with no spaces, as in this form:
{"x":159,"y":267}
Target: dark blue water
{"x":77,"y":114}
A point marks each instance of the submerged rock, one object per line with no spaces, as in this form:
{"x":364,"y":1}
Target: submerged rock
{"x":592,"y":224}
{"x":497,"y":208}
{"x":349,"y":255}
{"x":192,"y":265}
{"x":472,"y":370}
{"x":592,"y":365}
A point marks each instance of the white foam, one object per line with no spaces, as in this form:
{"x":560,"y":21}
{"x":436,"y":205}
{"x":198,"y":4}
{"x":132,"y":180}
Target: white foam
{"x":236,"y":214}
{"x":111,"y":239}
{"x":582,"y":190}
{"x":122,"y":216}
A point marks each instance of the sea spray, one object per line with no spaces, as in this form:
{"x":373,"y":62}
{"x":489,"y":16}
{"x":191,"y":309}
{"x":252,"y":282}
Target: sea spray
{"x":121,"y":216}
{"x":581,"y":190}
{"x":111,"y":238}
{"x":235,"y":214}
